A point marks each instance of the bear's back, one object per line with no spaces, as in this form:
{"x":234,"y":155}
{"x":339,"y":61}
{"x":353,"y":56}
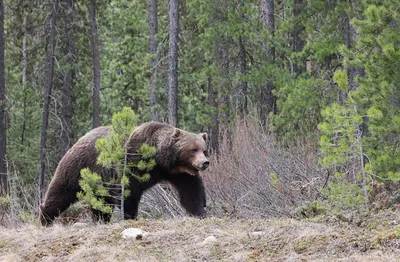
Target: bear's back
{"x":82,"y":154}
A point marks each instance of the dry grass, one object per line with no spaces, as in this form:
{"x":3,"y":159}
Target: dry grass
{"x":251,"y":180}
{"x":252,"y":177}
{"x":182,"y":240}
{"x":256,"y":178}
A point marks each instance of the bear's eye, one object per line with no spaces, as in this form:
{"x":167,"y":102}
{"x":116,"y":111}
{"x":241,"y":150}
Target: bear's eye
{"x":194,"y":150}
{"x":205,"y":153}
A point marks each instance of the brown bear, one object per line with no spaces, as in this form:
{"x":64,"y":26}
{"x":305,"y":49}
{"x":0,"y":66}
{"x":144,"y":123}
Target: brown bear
{"x":180,"y":156}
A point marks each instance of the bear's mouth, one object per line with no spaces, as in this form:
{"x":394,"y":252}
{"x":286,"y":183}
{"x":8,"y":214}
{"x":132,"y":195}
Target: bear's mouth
{"x":199,"y":168}
{"x":195,"y":173}
{"x":191,"y":170}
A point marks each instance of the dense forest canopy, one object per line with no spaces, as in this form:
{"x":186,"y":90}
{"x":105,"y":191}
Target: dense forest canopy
{"x":322,"y":75}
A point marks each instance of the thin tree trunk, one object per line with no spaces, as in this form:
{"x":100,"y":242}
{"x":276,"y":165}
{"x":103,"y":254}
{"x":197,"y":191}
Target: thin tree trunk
{"x":24,"y":69}
{"x":350,"y":36}
{"x":153,"y":30}
{"x":3,"y":98}
{"x":47,"y":94}
{"x":267,"y":9}
{"x":359,"y":135}
{"x":96,"y":65}
{"x":69,"y":76}
{"x":224,"y":106}
{"x":298,"y":42}
{"x":268,"y":100}
{"x":214,"y":114}
{"x":242,"y":90}
{"x":173,"y":63}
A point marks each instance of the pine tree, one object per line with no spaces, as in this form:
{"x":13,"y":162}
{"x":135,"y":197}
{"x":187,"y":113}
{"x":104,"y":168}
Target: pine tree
{"x":46,"y":98}
{"x":113,"y":155}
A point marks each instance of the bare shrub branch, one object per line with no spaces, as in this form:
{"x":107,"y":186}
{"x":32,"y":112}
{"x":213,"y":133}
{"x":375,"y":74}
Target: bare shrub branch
{"x":256,"y":178}
{"x":252,"y":177}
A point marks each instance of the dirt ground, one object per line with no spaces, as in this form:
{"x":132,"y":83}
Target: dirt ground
{"x":184,"y":239}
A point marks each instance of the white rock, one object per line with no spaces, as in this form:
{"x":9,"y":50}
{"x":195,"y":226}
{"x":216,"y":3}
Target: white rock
{"x":132,"y":232}
{"x":210,"y":239}
{"x":257,"y":233}
{"x":79,"y":225}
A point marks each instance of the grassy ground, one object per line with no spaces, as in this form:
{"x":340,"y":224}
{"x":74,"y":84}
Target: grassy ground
{"x":377,"y":239}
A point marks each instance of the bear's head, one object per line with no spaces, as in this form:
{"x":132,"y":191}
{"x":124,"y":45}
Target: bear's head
{"x":191,"y":152}
{"x":178,"y":151}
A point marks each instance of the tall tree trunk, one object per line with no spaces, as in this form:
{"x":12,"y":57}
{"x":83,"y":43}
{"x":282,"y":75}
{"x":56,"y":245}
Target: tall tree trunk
{"x":298,"y":42}
{"x":3,"y":124}
{"x":173,"y":63}
{"x":354,"y":72}
{"x":214,"y":128}
{"x":96,"y":65}
{"x":224,"y":106}
{"x":69,"y":76}
{"x":242,"y":90}
{"x":350,"y":36}
{"x":153,"y":29}
{"x":24,"y":70}
{"x":268,"y":100}
{"x":46,"y":98}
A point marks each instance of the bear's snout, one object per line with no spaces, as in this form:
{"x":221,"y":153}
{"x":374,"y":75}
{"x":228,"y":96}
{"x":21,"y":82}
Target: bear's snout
{"x":206,"y":164}
{"x":203,"y":166}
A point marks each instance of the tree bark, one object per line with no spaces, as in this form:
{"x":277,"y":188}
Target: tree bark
{"x":3,"y":98}
{"x":298,"y":42}
{"x":267,"y":9}
{"x":242,"y":90}
{"x":224,"y":105}
{"x":66,"y":100}
{"x":350,"y":36}
{"x":96,"y":65}
{"x":47,"y":94}
{"x":153,"y":30}
{"x":24,"y":73}
{"x":173,"y":63}
{"x":214,"y":114}
{"x":268,"y":100}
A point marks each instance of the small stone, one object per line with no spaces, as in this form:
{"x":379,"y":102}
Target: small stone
{"x":257,"y":233}
{"x":79,"y":225}
{"x":132,"y":232}
{"x":210,"y":239}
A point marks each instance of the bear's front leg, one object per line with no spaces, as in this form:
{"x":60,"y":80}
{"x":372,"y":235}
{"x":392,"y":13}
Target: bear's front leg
{"x":99,"y":216}
{"x":131,"y":204}
{"x":191,"y":193}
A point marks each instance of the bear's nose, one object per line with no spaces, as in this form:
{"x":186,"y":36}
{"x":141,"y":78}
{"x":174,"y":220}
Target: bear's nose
{"x":206,"y":164}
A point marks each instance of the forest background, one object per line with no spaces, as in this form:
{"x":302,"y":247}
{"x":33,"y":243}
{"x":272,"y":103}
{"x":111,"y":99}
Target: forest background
{"x":300,"y":98}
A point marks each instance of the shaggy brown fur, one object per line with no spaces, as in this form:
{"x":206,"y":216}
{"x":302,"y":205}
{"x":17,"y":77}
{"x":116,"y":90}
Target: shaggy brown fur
{"x":180,"y":156}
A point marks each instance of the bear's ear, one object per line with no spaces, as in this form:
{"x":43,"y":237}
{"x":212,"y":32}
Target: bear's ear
{"x":176,"y":133}
{"x":204,"y":136}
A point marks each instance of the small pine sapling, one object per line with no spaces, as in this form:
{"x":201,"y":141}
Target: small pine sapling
{"x":341,"y":145}
{"x":113,"y":155}
{"x":93,"y":191}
